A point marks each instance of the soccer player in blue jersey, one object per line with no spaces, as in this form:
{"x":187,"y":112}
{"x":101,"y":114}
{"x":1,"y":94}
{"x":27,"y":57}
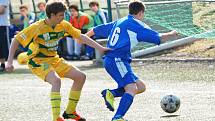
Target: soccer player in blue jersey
{"x":123,"y":35}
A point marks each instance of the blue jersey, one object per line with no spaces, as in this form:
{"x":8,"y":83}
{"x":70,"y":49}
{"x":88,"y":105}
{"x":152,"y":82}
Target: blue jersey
{"x":124,"y":34}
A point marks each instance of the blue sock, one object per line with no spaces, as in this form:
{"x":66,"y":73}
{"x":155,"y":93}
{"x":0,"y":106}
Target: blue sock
{"x":124,"y":105}
{"x":119,"y":92}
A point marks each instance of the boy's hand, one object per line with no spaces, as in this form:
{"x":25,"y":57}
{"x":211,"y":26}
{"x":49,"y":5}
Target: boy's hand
{"x":9,"y":68}
{"x":174,"y":33}
{"x":104,"y":50}
{"x":169,"y":35}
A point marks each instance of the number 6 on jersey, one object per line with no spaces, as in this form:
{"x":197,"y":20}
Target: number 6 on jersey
{"x":115,"y":37}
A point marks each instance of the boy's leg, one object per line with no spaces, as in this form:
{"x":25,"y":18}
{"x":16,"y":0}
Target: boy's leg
{"x":75,"y":92}
{"x":121,"y":72}
{"x":53,"y":78}
{"x":118,"y":92}
{"x":126,"y":101}
{"x":127,"y":98}
{"x":109,"y":96}
{"x":140,"y":86}
{"x":50,"y":70}
{"x":109,"y":99}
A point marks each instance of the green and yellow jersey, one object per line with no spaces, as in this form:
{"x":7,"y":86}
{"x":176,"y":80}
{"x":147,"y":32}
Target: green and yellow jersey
{"x":42,"y":40}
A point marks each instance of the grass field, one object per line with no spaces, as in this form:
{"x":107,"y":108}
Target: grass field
{"x":26,"y":98}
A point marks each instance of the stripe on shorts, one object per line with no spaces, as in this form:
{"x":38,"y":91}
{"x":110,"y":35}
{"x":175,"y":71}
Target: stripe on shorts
{"x":121,"y":67}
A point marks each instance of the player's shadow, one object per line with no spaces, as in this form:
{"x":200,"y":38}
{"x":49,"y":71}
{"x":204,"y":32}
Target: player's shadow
{"x":89,"y":67}
{"x":27,"y":71}
{"x":18,"y":71}
{"x":169,"y":116}
{"x":22,"y":71}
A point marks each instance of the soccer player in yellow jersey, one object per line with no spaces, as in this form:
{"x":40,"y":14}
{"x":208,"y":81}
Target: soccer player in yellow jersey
{"x":42,"y":38}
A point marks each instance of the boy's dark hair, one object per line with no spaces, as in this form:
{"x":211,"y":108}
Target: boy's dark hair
{"x":74,"y":7}
{"x":54,"y":7}
{"x":136,"y":7}
{"x":41,"y":3}
{"x":23,"y":6}
{"x":93,"y":3}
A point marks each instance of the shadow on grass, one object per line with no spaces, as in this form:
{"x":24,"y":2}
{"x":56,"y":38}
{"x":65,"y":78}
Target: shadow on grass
{"x":27,"y":71}
{"x":89,"y":67}
{"x":169,"y":116}
{"x":18,"y":71}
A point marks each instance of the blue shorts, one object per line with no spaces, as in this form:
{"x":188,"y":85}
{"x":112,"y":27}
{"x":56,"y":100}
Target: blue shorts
{"x":120,"y":70}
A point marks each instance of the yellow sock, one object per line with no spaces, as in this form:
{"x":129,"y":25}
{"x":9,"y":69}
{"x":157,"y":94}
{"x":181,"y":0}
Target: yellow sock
{"x":55,"y":103}
{"x":74,"y":97}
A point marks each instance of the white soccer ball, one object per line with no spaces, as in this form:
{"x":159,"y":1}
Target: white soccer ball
{"x":170,"y":103}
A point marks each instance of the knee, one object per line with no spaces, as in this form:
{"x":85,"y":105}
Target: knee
{"x":56,"y":82}
{"x":142,"y":89}
{"x":131,"y":89}
{"x":82,"y":77}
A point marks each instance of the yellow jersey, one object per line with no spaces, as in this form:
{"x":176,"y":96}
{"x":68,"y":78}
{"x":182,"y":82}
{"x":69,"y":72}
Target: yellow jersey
{"x":42,"y":40}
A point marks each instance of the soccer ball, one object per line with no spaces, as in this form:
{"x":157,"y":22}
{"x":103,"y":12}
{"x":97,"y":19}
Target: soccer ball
{"x":170,"y":103}
{"x":22,"y":58}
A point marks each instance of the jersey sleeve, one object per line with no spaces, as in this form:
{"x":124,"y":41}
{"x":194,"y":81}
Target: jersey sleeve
{"x":27,"y":35}
{"x":72,"y":31}
{"x":103,"y":30}
{"x":146,"y":34}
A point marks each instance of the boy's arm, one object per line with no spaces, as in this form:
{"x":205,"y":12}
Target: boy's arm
{"x":165,"y":36}
{"x":103,"y":30}
{"x":86,"y":40}
{"x":146,"y":34}
{"x":13,"y":47}
{"x":90,"y":33}
{"x":81,"y":38}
